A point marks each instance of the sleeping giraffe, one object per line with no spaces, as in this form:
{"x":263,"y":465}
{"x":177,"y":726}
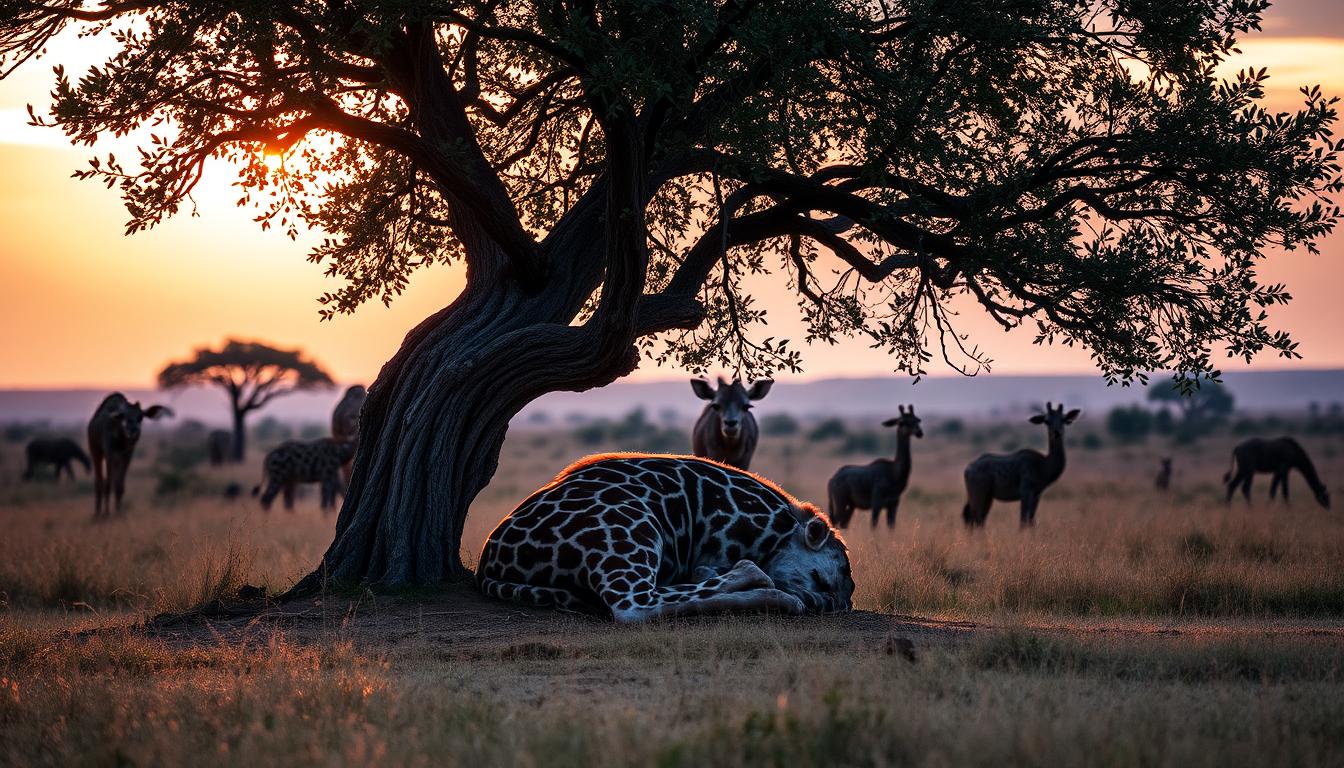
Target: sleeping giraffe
{"x":641,"y":536}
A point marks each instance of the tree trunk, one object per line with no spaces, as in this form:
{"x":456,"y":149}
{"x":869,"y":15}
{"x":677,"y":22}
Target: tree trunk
{"x":239,"y":434}
{"x":434,"y":421}
{"x":431,"y":429}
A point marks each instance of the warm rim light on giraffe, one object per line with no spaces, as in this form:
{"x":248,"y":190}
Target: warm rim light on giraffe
{"x":649,"y":536}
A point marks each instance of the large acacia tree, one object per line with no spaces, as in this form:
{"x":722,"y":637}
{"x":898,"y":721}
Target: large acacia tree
{"x":251,"y":373}
{"x":614,"y":174}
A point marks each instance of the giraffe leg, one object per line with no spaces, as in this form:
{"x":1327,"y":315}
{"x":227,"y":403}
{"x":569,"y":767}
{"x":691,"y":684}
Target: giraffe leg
{"x":743,"y":588}
{"x":268,"y":497}
{"x":541,"y":597}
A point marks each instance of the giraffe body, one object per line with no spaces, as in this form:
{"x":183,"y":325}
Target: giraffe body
{"x":644,"y":536}
{"x":293,"y":462}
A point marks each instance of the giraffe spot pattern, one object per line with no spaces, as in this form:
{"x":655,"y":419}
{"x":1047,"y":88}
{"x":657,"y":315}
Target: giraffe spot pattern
{"x":623,"y":533}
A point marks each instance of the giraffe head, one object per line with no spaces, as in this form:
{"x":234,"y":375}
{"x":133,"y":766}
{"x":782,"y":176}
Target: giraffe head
{"x":812,"y":564}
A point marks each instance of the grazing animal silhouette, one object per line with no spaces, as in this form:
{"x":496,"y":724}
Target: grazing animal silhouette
{"x":219,"y":443}
{"x":293,"y":462}
{"x":1163,"y":480}
{"x":726,"y":431}
{"x":879,"y":484}
{"x":232,"y":492}
{"x":644,"y":536}
{"x":59,"y":452}
{"x":113,"y":432}
{"x":1278,"y":457}
{"x":345,"y":424}
{"x":1020,"y":476}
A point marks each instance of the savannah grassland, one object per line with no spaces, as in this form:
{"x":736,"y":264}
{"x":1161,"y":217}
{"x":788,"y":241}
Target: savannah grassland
{"x":1129,"y":628}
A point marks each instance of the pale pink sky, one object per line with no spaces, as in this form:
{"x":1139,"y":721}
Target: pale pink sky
{"x":86,"y":306}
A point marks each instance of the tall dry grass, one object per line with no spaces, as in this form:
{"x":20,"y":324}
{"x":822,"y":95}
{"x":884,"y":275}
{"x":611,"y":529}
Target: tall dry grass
{"x":1106,"y":543}
{"x":671,"y":696}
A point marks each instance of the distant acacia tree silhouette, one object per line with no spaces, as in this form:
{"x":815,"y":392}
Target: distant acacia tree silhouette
{"x":1200,"y":408}
{"x":253,"y":374}
{"x":615,"y":174}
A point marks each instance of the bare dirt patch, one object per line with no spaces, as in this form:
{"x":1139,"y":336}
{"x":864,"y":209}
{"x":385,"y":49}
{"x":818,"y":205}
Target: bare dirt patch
{"x":462,"y":621}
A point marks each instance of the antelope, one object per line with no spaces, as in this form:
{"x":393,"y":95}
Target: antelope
{"x":879,"y":484}
{"x":1020,"y":476}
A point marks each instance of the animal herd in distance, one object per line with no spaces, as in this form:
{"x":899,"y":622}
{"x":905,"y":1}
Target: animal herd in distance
{"x":646,"y":536}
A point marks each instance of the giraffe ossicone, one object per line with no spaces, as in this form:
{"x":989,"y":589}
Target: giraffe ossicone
{"x":646,"y":536}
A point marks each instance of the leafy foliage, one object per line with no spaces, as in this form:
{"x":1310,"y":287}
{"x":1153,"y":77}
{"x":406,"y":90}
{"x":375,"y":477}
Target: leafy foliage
{"x":1069,"y":165}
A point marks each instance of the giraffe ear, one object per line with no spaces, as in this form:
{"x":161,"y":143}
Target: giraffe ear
{"x":155,"y":411}
{"x":1037,"y":419}
{"x":815,"y":533}
{"x":1068,"y":419}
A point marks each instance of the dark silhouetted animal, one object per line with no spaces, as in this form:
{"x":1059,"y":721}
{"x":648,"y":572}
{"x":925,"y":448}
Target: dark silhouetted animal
{"x":1277,"y":457}
{"x":1020,"y":476}
{"x":1163,"y":480}
{"x":293,"y":462}
{"x":345,"y":424}
{"x":233,"y":492}
{"x":219,"y":443}
{"x":640,"y":537}
{"x":113,"y":432}
{"x":58,"y":452}
{"x":879,"y":484}
{"x":726,"y":431}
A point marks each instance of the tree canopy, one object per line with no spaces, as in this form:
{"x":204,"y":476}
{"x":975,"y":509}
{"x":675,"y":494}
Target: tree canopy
{"x":1207,"y":403}
{"x":252,"y":373}
{"x":1075,"y":166}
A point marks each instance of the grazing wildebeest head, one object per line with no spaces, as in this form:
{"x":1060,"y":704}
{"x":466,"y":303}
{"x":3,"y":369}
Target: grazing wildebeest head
{"x":1055,"y":419}
{"x":907,"y":423}
{"x":730,"y":402}
{"x":127,"y":417}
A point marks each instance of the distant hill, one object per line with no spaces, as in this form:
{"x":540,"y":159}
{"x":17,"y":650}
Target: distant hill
{"x":979,"y":397}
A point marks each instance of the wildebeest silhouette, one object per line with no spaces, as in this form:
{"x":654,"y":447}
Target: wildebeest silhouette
{"x":58,"y":452}
{"x":1278,"y":457}
{"x":113,"y":432}
{"x":1023,"y":475}
{"x":879,"y":484}
{"x":726,"y":431}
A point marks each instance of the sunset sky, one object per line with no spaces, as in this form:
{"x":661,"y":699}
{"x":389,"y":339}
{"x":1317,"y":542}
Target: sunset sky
{"x":83,"y":305}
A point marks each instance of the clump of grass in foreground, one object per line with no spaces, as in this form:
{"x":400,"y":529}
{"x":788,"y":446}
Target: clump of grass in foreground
{"x":1015,"y":698}
{"x":1193,"y":660}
